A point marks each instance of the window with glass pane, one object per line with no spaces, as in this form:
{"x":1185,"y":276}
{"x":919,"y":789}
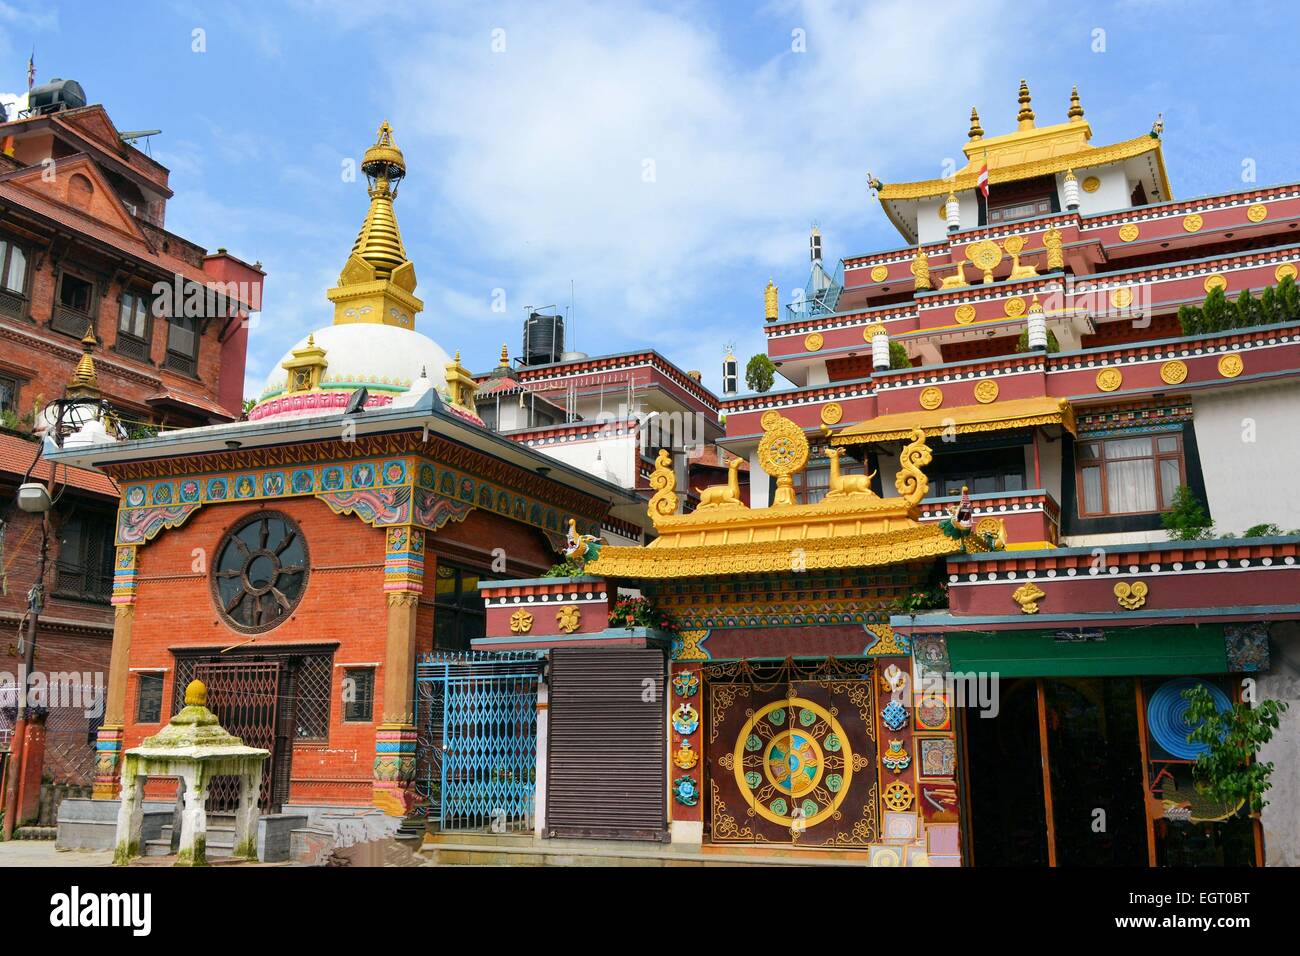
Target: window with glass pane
{"x":133,"y":315}
{"x":182,"y":336}
{"x":1129,"y":475}
{"x":458,"y":616}
{"x":148,"y":701}
{"x":8,"y":394}
{"x":75,"y":293}
{"x":815,"y":481}
{"x":84,"y":569}
{"x":13,"y":268}
{"x":359,"y":699}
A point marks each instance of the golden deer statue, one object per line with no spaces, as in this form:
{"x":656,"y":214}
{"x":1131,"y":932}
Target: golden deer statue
{"x":847,"y":484}
{"x":723,"y":496}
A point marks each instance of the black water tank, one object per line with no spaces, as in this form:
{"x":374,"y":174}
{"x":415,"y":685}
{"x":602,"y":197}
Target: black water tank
{"x":543,"y":339}
{"x":54,"y":96}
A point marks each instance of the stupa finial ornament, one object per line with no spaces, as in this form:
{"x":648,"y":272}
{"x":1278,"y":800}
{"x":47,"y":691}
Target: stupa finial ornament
{"x":196,"y":694}
{"x":1025,"y":117}
{"x":976,"y":131}
{"x":1075,"y":114}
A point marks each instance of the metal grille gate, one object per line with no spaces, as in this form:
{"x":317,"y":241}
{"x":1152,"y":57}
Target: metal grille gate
{"x":476,"y":743}
{"x":244,"y":696}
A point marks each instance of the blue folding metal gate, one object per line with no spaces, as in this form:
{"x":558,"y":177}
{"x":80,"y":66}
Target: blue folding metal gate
{"x":476,"y":743}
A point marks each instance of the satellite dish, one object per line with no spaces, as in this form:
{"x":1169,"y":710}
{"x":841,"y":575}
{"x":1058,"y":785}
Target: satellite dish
{"x":357,"y":401}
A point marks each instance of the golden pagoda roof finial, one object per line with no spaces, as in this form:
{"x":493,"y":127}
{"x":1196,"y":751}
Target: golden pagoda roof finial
{"x":377,"y":283}
{"x":770,"y":304}
{"x":1026,"y":115}
{"x":505,"y":356}
{"x":976,"y":131}
{"x":1075,"y":114}
{"x":85,"y":380}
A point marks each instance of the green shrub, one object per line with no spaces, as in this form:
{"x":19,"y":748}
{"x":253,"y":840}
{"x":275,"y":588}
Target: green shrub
{"x":1022,"y":343}
{"x":760,"y":373}
{"x":898,"y":357}
{"x":1187,"y":520}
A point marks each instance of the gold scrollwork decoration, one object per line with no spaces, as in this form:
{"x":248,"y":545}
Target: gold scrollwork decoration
{"x":664,"y":482}
{"x":568,"y":618}
{"x":1257,"y":212}
{"x":1193,"y":223}
{"x":910,"y":481}
{"x":832,"y":413}
{"x":521,"y":622}
{"x":1129,"y":231}
{"x":1131,"y":596}
{"x":986,"y":391}
{"x":964,"y":314}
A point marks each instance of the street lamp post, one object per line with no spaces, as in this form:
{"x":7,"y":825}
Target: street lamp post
{"x":34,"y":498}
{"x":35,"y":604}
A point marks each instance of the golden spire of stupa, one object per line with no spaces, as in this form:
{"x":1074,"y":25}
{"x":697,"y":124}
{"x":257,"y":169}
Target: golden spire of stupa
{"x":378,"y":282}
{"x":1075,"y":114}
{"x":976,"y":131}
{"x":85,"y":381}
{"x":770,"y":305}
{"x":1026,"y":115}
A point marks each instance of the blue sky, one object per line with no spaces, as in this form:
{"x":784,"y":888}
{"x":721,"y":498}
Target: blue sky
{"x":528,"y":164}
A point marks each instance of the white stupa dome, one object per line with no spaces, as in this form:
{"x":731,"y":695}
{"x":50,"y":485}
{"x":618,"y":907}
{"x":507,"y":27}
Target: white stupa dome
{"x":387,"y":359}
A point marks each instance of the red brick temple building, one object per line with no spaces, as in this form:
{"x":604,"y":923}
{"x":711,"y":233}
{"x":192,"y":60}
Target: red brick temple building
{"x":83,"y":249}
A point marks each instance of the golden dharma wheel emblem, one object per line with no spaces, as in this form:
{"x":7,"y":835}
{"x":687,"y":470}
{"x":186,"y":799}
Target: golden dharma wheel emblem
{"x":986,"y":391}
{"x":1014,"y":244}
{"x":965,"y":314}
{"x":879,"y":274}
{"x":1129,"y":232}
{"x":931,"y":398}
{"x":1215,"y":282}
{"x":832,"y":413}
{"x":769,"y":419}
{"x":1109,"y":379}
{"x":812,"y":342}
{"x":1285,"y":270}
{"x":1121,"y":298}
{"x":1193,"y":223}
{"x":1014,"y":308}
{"x":897,"y":796}
{"x":1091,"y":184}
{"x":1173,"y":373}
{"x":1231,"y":365}
{"x":1257,"y":212}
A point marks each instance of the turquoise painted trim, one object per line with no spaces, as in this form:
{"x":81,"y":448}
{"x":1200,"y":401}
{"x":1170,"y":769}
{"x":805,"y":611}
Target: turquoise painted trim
{"x":523,"y":582}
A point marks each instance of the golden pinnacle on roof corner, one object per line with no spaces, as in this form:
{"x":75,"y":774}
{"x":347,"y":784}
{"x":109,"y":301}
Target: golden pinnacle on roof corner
{"x":85,"y":380}
{"x":1075,"y":114}
{"x":1025,"y":118}
{"x":976,"y":131}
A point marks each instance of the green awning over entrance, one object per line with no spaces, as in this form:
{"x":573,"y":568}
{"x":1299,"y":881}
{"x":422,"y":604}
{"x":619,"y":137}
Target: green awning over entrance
{"x":1091,"y":651}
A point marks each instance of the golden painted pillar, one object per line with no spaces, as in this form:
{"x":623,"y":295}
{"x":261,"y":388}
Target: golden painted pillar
{"x":108,"y":741}
{"x":394,"y":781}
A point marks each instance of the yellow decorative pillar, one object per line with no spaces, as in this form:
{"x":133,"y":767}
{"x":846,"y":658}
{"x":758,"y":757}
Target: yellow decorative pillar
{"x":394,"y":769}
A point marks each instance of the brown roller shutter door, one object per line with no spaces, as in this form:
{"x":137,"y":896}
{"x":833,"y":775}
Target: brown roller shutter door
{"x":606,"y":774}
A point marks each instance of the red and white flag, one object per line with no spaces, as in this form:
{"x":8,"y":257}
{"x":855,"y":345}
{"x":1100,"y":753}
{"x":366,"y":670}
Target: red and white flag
{"x":982,"y":181}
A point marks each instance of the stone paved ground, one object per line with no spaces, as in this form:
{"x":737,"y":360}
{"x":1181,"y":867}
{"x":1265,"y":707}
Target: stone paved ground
{"x":44,"y":853}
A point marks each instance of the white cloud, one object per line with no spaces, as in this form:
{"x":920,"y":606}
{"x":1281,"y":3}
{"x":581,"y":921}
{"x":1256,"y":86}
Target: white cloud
{"x":536,"y":158}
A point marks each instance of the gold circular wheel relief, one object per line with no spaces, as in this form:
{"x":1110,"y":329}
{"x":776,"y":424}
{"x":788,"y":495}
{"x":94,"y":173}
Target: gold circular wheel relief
{"x":986,"y":391}
{"x":1109,"y":379}
{"x":1173,"y":373}
{"x":832,"y":413}
{"x":1231,"y":365}
{"x":931,"y":398}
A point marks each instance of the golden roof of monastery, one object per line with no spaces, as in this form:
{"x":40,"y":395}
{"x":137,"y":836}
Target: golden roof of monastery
{"x":851,"y":527}
{"x":1031,"y":151}
{"x":961,"y":420}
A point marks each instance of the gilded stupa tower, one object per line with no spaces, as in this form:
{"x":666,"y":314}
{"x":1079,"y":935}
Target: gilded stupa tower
{"x":378,"y":282}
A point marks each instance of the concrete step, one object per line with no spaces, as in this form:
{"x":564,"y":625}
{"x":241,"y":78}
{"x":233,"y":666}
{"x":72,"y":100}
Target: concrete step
{"x":508,"y":851}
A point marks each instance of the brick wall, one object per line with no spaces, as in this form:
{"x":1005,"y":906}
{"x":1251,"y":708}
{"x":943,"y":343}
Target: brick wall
{"x":344,"y":603}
